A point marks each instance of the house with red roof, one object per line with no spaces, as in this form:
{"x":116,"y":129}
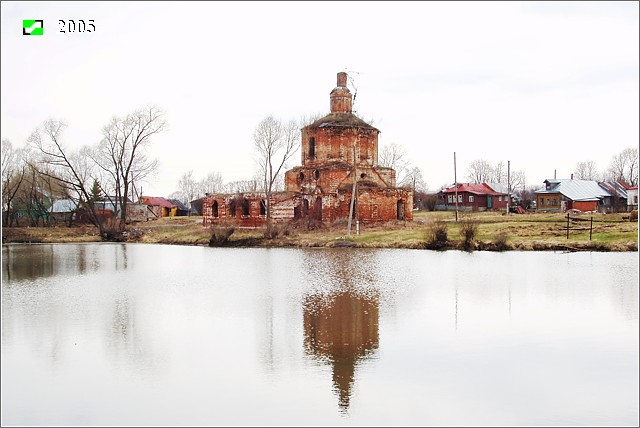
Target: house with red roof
{"x":159,"y":206}
{"x":472,"y":197}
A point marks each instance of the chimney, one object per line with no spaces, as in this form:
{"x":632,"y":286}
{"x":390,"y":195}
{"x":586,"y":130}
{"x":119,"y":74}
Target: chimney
{"x":554,"y":174}
{"x":341,"y":99}
{"x":572,"y":176}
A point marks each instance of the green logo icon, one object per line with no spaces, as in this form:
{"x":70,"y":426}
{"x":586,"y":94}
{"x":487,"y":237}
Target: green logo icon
{"x":32,"y":27}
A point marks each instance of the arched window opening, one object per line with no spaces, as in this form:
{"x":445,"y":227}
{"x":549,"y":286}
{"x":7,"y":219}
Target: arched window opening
{"x":245,"y":207}
{"x":305,"y":208}
{"x":400,"y":208}
{"x":232,"y":208}
{"x":317,"y":208}
{"x":316,"y":174}
{"x":263,"y":207}
{"x":312,"y":148}
{"x":214,"y":209}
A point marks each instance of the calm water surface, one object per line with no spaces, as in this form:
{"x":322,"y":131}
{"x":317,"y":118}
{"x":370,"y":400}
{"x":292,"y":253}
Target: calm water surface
{"x":134,"y":334}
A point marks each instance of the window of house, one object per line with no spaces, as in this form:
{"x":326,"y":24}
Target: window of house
{"x":232,"y":208}
{"x":263,"y":207}
{"x":554,"y":202}
{"x":214,"y":208}
{"x":470,"y":198}
{"x":450,"y":199}
{"x":459,"y":198}
{"x":548,"y":201}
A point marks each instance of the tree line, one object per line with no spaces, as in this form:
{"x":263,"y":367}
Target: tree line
{"x":48,"y":169}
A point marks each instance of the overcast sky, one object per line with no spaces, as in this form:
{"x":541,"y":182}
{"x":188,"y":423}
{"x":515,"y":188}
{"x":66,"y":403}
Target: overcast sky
{"x":543,"y":85}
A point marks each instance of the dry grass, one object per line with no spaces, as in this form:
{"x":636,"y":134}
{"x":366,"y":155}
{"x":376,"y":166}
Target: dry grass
{"x":496,"y":231}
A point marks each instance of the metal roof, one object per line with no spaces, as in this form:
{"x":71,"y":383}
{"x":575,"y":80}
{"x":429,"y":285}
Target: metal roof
{"x":615,"y":188}
{"x":179,"y":204}
{"x":576,"y":190}
{"x":156,"y":200}
{"x":475,"y":188}
{"x":63,"y":206}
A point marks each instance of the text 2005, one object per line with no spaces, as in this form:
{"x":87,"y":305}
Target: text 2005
{"x":77,"y":26}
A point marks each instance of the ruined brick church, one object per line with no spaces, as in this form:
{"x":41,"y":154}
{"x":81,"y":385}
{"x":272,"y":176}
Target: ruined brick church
{"x":337,"y":150}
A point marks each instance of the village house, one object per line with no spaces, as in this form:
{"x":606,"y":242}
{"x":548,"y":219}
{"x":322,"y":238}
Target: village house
{"x":472,"y":197}
{"x":337,"y":150}
{"x":159,"y":206}
{"x":568,"y":194}
{"x":617,"y":202}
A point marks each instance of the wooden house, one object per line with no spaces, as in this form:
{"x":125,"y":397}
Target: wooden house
{"x":472,"y":197}
{"x":568,"y":194}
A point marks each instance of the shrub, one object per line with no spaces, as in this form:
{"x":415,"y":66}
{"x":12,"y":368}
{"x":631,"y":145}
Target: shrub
{"x":277,"y":229}
{"x":437,"y":234}
{"x":469,"y":230}
{"x":633,"y":216}
{"x":220,"y":234}
{"x":113,"y":230}
{"x":135,"y":234}
{"x":501,"y":240}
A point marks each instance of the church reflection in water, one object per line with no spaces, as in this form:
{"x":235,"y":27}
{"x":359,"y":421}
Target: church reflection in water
{"x":341,"y":327}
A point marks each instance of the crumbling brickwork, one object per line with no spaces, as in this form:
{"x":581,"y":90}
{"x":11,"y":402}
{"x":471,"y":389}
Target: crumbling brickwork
{"x":336,"y":150}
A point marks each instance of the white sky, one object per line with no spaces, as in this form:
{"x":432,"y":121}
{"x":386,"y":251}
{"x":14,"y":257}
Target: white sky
{"x":544,"y":85}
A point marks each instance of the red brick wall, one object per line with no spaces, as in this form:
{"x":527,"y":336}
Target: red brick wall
{"x":321,"y":187}
{"x":335,"y":144}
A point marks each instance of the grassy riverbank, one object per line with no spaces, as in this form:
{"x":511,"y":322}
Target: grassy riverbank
{"x":494,"y":231}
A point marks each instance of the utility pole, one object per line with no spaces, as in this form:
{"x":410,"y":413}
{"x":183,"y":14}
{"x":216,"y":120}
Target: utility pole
{"x":353,"y":191}
{"x":455,"y":179}
{"x":508,"y":185}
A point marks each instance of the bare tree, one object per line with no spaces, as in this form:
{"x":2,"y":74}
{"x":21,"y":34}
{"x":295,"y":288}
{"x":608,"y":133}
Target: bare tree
{"x":394,"y":156}
{"x":241,"y":186}
{"x":308,"y":119}
{"x":212,"y":183}
{"x":517,"y":180}
{"x":13,"y":173}
{"x":122,"y":152}
{"x":275,"y":143}
{"x":71,"y":169}
{"x":413,"y":179}
{"x":187,"y":188}
{"x":586,"y":170}
{"x":480,"y":171}
{"x":36,"y":195}
{"x":624,"y":166}
{"x":499,"y":175}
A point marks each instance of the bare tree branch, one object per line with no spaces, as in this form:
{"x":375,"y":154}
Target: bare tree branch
{"x":276,"y":143}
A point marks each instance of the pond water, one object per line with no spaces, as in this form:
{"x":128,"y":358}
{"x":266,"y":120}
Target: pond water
{"x":135,"y":334}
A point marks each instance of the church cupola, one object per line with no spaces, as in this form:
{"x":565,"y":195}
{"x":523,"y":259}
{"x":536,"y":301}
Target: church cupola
{"x":341,"y":98}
